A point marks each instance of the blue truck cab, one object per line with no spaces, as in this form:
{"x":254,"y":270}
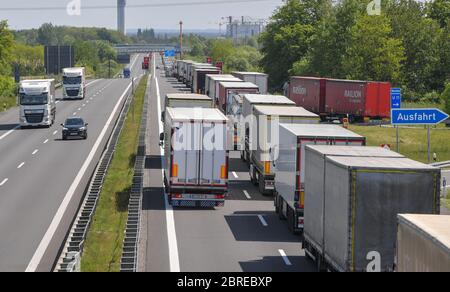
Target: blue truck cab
{"x":126,"y":73}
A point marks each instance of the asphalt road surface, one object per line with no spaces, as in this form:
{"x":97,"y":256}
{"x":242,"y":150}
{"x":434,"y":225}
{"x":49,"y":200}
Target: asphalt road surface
{"x":245,"y":235}
{"x":43,"y":179}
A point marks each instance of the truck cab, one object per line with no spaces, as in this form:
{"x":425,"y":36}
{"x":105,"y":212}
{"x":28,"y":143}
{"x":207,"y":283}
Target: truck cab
{"x":74,"y":83}
{"x":37,"y":101}
{"x":127,"y":73}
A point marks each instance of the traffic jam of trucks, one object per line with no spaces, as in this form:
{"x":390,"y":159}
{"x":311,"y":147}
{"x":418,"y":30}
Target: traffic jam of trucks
{"x":348,"y":201}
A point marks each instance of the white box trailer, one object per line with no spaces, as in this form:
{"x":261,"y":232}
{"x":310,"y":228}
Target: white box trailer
{"x":195,"y":157}
{"x":226,"y":91}
{"x":355,"y":204}
{"x":260,"y":79}
{"x":423,"y":243}
{"x":242,"y":117}
{"x":265,"y":139}
{"x":290,"y":165}
{"x":183,"y":70}
{"x":212,"y":84}
{"x":186,"y":100}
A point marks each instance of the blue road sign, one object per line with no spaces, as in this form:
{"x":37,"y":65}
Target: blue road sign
{"x":169,"y":53}
{"x":418,"y":116}
{"x":396,"y":98}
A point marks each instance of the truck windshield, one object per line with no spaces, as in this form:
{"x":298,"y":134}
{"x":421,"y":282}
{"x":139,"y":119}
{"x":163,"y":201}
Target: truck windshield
{"x":71,"y":80}
{"x":33,"y":99}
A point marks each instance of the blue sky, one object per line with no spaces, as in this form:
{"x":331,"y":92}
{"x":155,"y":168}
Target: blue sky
{"x":193,"y":15}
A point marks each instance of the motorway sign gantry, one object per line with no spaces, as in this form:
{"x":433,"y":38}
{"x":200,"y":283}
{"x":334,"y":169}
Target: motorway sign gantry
{"x":418,"y":116}
{"x":396,"y":98}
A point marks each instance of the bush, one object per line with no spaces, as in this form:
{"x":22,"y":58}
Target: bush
{"x":7,"y":87}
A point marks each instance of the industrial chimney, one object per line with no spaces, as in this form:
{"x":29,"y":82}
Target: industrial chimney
{"x":121,"y":15}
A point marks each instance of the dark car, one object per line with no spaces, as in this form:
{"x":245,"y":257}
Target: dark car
{"x":74,"y":127}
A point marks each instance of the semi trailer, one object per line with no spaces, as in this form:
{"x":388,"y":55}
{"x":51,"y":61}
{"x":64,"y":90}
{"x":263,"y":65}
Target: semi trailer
{"x":74,"y":83}
{"x":260,"y":79}
{"x":195,"y":157}
{"x":37,"y":102}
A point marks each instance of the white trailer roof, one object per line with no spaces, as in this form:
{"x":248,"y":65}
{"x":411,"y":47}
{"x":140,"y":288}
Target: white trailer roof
{"x":284,"y":111}
{"x":224,"y":77}
{"x":266,"y":98}
{"x":354,"y":151}
{"x":313,"y":130}
{"x":239,"y":85}
{"x":437,"y":226}
{"x":188,"y":96}
{"x":196,"y":114}
{"x":379,"y":163}
{"x":250,"y":73}
{"x":37,"y":84}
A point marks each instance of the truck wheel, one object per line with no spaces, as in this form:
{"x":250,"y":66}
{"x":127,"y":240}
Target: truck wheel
{"x":275,"y":200}
{"x":253,"y":177}
{"x":291,"y":220}
{"x":280,"y":208}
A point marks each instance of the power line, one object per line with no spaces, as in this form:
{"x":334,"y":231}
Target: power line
{"x":155,"y":5}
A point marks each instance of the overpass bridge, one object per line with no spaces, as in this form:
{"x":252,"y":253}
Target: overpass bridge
{"x":147,"y":48}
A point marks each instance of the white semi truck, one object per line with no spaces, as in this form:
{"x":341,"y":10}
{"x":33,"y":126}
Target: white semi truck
{"x":195,"y":157}
{"x":37,"y":101}
{"x":74,"y":83}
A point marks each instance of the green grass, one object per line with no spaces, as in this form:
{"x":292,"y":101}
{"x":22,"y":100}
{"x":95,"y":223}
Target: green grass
{"x":413,"y":142}
{"x":8,"y":101}
{"x":423,"y":105}
{"x":104,"y":242}
{"x":446,"y":199}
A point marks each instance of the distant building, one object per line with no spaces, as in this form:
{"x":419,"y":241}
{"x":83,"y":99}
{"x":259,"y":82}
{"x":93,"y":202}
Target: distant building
{"x":244,"y":28}
{"x":121,"y":15}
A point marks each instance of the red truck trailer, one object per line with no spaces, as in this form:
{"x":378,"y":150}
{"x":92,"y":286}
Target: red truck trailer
{"x":146,"y":63}
{"x":336,"y":98}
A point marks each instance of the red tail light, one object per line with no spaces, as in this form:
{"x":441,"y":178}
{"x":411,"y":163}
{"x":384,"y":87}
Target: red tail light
{"x":177,"y":196}
{"x":220,"y":197}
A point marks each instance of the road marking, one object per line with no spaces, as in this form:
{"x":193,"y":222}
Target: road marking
{"x":35,"y":151}
{"x":235,"y":174}
{"x":79,"y":109}
{"x":20,"y":165}
{"x":83,"y":105}
{"x":247,"y":195}
{"x":263,"y":221}
{"x":43,"y":245}
{"x":54,"y":133}
{"x":46,"y":141}
{"x":9,"y":132}
{"x":57,"y":101}
{"x":75,"y":113}
{"x":3,"y":182}
{"x":87,"y":101}
{"x":170,"y":220}
{"x":285,"y":258}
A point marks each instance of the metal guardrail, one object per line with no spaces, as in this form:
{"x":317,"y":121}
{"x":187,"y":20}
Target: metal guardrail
{"x":70,"y":257}
{"x":129,"y":261}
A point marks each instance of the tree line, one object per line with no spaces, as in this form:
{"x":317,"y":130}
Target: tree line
{"x":408,"y":44}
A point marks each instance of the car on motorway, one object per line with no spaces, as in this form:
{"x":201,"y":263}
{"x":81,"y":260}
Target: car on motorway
{"x":74,"y":127}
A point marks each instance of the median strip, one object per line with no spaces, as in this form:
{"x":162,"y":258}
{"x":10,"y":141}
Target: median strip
{"x":103,"y":247}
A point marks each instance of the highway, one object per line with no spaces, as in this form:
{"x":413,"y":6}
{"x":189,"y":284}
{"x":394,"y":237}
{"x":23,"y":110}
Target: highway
{"x":246,"y":235}
{"x":43,"y":179}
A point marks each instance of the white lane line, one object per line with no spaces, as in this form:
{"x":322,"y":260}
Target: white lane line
{"x":247,"y":195}
{"x":35,"y":151}
{"x":285,"y":258}
{"x":75,"y":113}
{"x":170,"y":220}
{"x":57,"y":101}
{"x":9,"y":132}
{"x":263,"y":221}
{"x":87,"y":101}
{"x":54,"y":133}
{"x":83,"y":105}
{"x":46,"y":141}
{"x":20,"y":165}
{"x":43,"y":245}
{"x":79,"y":109}
{"x":235,"y":174}
{"x":3,"y":182}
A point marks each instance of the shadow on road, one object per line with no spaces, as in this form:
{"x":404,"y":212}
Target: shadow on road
{"x":274,"y":263}
{"x":246,"y":226}
{"x":7,"y":127}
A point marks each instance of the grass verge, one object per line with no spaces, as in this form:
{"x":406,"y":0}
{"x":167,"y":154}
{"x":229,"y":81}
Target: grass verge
{"x":446,"y":199}
{"x":413,"y":142}
{"x":7,"y":103}
{"x":104,"y":241}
